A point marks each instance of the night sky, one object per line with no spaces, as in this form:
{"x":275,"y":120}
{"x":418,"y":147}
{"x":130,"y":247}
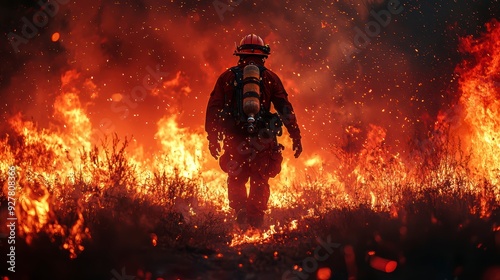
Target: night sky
{"x":399,"y":78}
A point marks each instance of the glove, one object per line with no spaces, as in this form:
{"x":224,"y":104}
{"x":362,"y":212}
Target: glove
{"x":297,"y":147}
{"x":214,"y":146}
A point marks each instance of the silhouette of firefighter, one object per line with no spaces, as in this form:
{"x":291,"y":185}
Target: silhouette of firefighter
{"x":239,"y":114}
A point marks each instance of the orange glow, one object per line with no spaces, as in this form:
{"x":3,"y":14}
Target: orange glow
{"x":117,"y":97}
{"x":350,"y":261}
{"x":55,"y":36}
{"x":382,"y":264}
{"x":324,"y":273}
{"x":154,"y":239}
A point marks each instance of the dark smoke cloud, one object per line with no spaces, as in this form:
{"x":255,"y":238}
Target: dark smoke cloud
{"x":400,"y":80}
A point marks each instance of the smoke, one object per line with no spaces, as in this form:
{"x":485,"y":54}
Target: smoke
{"x":399,"y":80}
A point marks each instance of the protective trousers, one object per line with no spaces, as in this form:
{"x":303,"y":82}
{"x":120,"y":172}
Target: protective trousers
{"x":243,"y":163}
{"x":256,"y":201}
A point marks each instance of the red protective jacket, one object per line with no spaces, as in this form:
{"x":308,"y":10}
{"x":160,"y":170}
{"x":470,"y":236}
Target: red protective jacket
{"x":272,"y":92}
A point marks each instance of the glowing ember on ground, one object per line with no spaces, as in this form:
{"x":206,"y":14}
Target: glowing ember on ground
{"x":55,"y":37}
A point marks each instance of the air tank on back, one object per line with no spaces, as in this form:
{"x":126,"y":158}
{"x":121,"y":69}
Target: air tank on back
{"x":251,"y":93}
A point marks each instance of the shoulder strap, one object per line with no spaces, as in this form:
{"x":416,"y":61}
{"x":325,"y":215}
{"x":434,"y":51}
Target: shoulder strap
{"x":237,"y":98}
{"x":262,"y":68}
{"x":238,"y":75}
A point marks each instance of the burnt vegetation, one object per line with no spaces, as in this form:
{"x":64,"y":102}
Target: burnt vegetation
{"x":443,"y":225}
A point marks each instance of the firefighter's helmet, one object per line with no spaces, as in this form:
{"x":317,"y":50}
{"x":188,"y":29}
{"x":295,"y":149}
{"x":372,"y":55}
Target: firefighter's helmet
{"x":252,"y":45}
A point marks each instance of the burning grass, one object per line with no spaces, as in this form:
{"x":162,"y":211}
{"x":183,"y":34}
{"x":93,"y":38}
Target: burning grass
{"x":160,"y":222}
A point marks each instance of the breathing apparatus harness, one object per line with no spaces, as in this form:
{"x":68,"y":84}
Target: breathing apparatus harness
{"x":246,"y":108}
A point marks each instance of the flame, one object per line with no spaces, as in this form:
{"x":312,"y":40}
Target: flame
{"x":76,"y":235}
{"x":40,"y":177}
{"x":253,"y":236}
{"x":477,"y":115}
{"x":35,"y":213}
{"x":480,"y":98}
{"x":183,"y":146}
{"x":258,"y":236}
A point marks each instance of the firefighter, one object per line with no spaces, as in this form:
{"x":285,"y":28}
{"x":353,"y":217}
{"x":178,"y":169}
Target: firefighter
{"x":238,"y":114}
